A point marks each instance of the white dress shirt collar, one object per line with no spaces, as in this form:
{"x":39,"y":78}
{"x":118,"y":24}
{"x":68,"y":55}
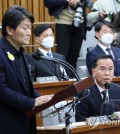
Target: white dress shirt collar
{"x":103,"y":47}
{"x":44,"y":51}
{"x":100,"y":88}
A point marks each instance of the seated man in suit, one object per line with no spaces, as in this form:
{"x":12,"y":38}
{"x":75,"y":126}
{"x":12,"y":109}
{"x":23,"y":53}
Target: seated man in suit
{"x":42,"y":68}
{"x":104,"y":34}
{"x":94,"y":103}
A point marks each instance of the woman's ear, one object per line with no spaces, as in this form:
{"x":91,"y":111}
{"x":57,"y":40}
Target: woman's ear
{"x":9,"y":30}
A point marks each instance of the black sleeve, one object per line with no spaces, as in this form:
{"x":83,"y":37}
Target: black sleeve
{"x":54,"y":3}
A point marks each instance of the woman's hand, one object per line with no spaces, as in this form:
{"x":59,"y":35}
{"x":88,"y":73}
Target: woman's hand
{"x":42,"y":99}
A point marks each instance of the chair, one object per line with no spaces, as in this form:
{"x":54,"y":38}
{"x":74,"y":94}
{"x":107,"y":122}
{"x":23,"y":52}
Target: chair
{"x":89,"y":49}
{"x":83,"y":72}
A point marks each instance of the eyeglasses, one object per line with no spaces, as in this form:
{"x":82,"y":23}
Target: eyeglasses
{"x":104,"y":70}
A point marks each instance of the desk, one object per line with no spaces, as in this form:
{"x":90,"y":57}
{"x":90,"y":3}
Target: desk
{"x":53,"y":87}
{"x":50,"y":88}
{"x":116,"y":80}
{"x":111,"y":128}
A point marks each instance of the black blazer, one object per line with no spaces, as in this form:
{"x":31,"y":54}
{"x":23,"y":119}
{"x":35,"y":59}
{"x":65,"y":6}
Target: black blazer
{"x":44,"y":68}
{"x":93,"y":104}
{"x":14,"y":99}
{"x":97,"y":51}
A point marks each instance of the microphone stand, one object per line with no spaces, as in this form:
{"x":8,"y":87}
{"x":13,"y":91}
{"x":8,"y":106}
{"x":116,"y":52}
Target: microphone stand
{"x":67,"y":114}
{"x":107,"y":87}
{"x":67,"y":122}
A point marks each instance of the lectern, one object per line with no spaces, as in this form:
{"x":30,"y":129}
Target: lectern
{"x":62,"y":95}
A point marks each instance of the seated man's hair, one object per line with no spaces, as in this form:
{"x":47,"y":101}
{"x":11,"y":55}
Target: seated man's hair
{"x":99,"y":25}
{"x":94,"y":63}
{"x":41,"y":28}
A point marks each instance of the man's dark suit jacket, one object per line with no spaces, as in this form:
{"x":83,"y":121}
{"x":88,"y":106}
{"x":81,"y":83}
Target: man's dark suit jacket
{"x":14,"y":99}
{"x":97,"y":51}
{"x":93,"y":104}
{"x":44,"y":68}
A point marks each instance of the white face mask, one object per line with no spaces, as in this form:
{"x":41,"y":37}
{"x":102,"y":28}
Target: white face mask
{"x":107,"y":39}
{"x":48,"y":42}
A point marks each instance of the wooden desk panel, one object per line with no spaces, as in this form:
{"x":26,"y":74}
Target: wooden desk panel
{"x":116,"y":80}
{"x":52,"y":88}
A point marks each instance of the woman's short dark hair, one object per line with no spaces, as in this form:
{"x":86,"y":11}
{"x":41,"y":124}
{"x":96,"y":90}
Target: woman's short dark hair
{"x":13,"y":16}
{"x":41,"y":28}
{"x":99,"y":25}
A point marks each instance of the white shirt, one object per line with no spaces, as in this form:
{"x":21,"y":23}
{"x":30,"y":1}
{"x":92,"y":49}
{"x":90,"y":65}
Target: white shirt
{"x":100,"y":89}
{"x":104,"y":49}
{"x":44,"y":51}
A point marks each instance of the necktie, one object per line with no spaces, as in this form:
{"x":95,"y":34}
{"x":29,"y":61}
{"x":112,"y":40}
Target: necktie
{"x":104,"y":95}
{"x":52,"y":63}
{"x":49,"y":55}
{"x":109,"y":52}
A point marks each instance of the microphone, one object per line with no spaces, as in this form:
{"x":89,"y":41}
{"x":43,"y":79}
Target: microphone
{"x":64,"y":63}
{"x":106,"y":102}
{"x":107,"y":87}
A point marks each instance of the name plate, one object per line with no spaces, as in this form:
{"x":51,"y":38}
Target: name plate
{"x":47,"y":79}
{"x":93,"y":121}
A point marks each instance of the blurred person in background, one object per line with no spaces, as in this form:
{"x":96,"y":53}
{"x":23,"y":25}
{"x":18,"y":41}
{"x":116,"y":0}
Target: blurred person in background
{"x":104,"y":34}
{"x":103,"y":9}
{"x":44,"y":36}
{"x":70,"y":18}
